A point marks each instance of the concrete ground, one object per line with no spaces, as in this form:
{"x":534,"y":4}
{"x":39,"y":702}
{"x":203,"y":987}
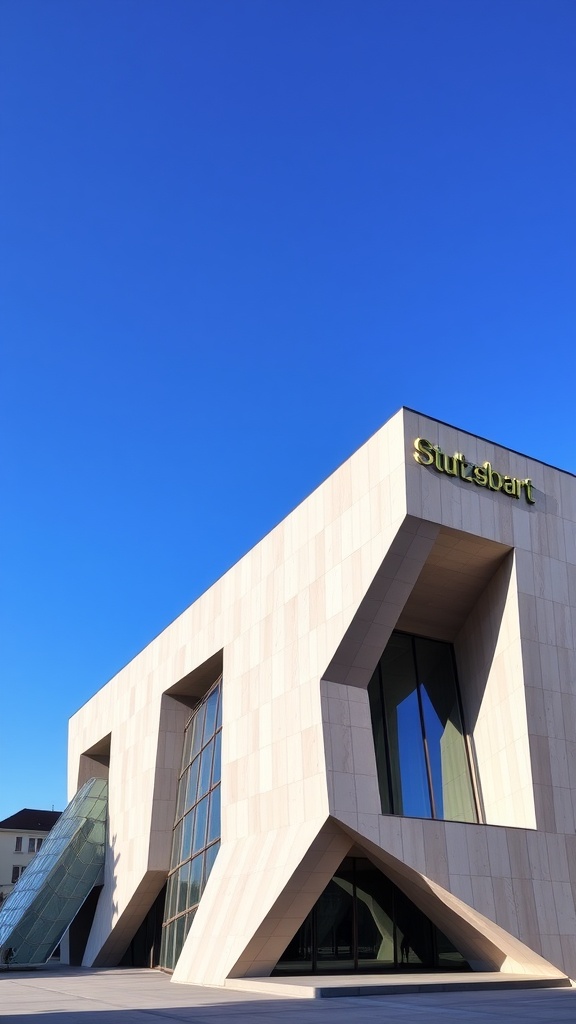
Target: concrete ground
{"x":65,"y":995}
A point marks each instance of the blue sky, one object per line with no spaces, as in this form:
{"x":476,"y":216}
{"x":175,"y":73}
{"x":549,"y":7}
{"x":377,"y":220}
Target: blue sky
{"x":235,"y":238}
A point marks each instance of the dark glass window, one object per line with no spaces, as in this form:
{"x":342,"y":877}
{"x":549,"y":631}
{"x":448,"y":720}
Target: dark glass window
{"x":363,"y":922}
{"x":421,"y":754}
{"x":196,"y":837}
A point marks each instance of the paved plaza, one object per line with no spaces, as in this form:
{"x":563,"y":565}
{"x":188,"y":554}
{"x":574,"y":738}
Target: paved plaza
{"x":65,"y":995}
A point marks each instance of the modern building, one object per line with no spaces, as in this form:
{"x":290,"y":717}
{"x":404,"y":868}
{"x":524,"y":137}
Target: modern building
{"x":21,"y":837}
{"x":356,"y":752}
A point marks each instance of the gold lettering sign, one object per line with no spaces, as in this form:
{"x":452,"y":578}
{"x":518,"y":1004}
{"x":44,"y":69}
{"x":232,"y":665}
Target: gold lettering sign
{"x":428,"y":454}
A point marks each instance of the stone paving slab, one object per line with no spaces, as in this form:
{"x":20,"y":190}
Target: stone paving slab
{"x":88,"y":996}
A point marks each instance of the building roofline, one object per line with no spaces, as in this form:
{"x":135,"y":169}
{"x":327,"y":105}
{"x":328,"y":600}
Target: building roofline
{"x":400,"y":409}
{"x":30,"y":819}
{"x":487,"y":440}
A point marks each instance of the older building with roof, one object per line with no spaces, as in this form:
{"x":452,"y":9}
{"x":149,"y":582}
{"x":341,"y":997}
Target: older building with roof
{"x":21,"y":837}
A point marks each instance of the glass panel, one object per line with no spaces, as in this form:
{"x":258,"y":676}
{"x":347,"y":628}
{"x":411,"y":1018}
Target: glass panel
{"x":176,"y":845}
{"x":171,"y":897}
{"x":187,"y":745}
{"x":451,"y":783}
{"x":409,"y":781}
{"x":166,"y":953}
{"x":297,"y":958}
{"x":187,"y":832}
{"x":219,"y":713}
{"x":409,"y":761}
{"x":447,"y":956}
{"x":179,"y":936}
{"x":414,"y":944}
{"x":189,"y":919}
{"x":205,"y":770}
{"x":183,"y":876}
{"x":192,"y":783}
{"x":198,"y":728}
{"x":334,"y":926}
{"x":214,"y":816}
{"x":434,"y":730}
{"x":216,"y":764}
{"x":200,"y":828}
{"x":209,"y":858}
{"x":180,"y":802}
{"x":378,"y":729}
{"x":196,"y":868}
{"x":375,"y":917}
{"x":211,"y":709}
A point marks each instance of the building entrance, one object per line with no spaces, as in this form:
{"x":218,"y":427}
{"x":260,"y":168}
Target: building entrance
{"x":363,"y":923}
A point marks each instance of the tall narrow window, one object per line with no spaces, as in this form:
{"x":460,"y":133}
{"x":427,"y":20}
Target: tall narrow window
{"x":18,"y":846}
{"x":421,"y":756}
{"x":196,"y":836}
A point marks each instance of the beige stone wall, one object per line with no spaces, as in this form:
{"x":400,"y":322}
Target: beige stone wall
{"x":301,"y":622}
{"x":490,"y":667}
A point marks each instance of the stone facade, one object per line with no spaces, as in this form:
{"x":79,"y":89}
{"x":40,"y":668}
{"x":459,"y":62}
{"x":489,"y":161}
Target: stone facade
{"x":297,"y":627}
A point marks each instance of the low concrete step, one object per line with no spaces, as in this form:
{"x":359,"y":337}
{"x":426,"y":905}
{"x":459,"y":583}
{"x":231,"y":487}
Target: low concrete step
{"x":337,"y":986}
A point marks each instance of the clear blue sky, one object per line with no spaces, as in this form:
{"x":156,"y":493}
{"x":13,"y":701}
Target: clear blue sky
{"x":236,"y":236}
